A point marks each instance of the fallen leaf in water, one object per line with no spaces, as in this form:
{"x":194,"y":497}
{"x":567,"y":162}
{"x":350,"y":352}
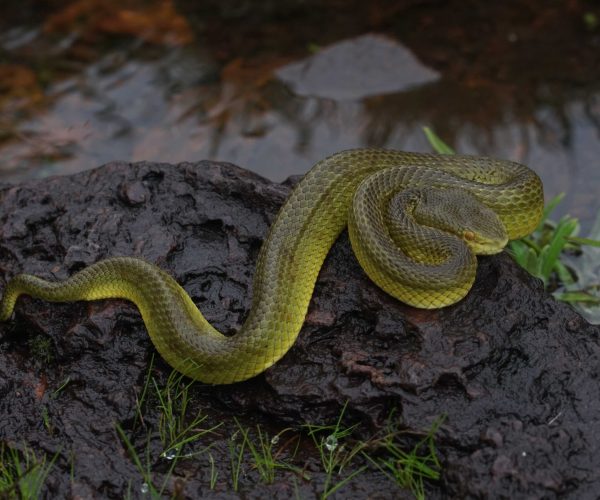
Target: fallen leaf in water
{"x":18,"y":81}
{"x":156,"y":21}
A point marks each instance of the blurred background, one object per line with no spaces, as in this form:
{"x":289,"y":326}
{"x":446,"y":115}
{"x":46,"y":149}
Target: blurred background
{"x":274,"y":86}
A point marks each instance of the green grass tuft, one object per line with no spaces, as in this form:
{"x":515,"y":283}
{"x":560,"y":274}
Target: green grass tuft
{"x":22,"y":473}
{"x":408,"y":469}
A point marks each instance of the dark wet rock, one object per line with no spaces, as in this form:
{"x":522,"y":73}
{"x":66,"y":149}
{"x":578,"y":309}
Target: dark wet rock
{"x":516,"y":373}
{"x":133,"y":193}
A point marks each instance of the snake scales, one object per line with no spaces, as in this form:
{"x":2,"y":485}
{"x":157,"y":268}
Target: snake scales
{"x":392,"y":202}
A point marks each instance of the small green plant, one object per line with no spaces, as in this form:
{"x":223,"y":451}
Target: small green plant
{"x":141,"y":400}
{"x":338,"y":451}
{"x":408,"y":469}
{"x":40,"y":347}
{"x":174,"y":427}
{"x":330,"y":442}
{"x":145,"y":469}
{"x":213,"y":471}
{"x":542,"y":252}
{"x":266,"y":460}
{"x":45,"y":412}
{"x":46,"y":419}
{"x":436,"y":142}
{"x":23,"y":473}
{"x":236,"y":455}
{"x":61,"y":388}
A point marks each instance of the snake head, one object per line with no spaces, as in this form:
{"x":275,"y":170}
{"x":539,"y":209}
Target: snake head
{"x":462,"y":214}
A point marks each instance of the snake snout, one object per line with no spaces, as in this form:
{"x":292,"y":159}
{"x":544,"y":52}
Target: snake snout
{"x":462,"y":214}
{"x":483,"y":230}
{"x":482,"y":244}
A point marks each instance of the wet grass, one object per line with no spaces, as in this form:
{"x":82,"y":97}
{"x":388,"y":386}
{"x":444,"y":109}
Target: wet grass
{"x":410,"y":469}
{"x":266,"y":453}
{"x":23,"y":473}
{"x":144,"y":467}
{"x":338,"y":452}
{"x":251,"y":454}
{"x":236,"y":456}
{"x":176,"y":428}
{"x":334,"y":453}
{"x":214,"y":474}
{"x":251,"y":449}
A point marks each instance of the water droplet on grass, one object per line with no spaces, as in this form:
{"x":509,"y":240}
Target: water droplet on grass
{"x":331,"y":442}
{"x":169,"y":454}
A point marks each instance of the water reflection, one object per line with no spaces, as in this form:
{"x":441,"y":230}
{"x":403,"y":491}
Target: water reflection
{"x":354,"y":69}
{"x":147,"y":82}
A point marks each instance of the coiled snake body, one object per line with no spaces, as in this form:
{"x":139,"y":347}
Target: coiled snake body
{"x":391,"y":202}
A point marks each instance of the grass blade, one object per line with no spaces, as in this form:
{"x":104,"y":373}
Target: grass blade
{"x":565,"y":228}
{"x":549,"y":208}
{"x":583,"y":241}
{"x":578,"y":296}
{"x":436,"y":143}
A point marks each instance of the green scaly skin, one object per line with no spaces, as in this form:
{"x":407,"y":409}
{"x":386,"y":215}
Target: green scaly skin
{"x":293,"y":253}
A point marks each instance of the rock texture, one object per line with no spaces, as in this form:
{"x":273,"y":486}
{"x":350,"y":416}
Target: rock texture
{"x":516,"y":373}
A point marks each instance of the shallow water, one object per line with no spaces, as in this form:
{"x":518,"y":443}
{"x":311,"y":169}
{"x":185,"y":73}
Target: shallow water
{"x":276,"y":88}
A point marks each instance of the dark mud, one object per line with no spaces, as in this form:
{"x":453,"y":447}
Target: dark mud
{"x":515,"y":372}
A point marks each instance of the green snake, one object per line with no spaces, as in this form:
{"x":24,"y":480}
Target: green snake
{"x":414,"y":220}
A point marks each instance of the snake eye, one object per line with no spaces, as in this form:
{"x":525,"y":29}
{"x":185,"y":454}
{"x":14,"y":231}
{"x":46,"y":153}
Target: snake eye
{"x":469,"y":235}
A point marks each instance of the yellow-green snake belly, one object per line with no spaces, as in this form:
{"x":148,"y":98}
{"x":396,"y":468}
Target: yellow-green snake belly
{"x":363,"y":188}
